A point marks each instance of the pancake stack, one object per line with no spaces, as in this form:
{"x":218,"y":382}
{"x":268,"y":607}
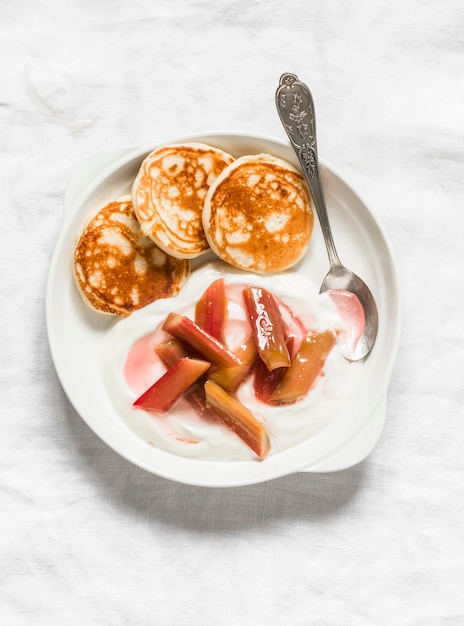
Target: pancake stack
{"x":253,"y":212}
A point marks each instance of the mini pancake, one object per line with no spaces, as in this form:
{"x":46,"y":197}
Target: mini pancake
{"x":168,"y":195}
{"x":258,"y":215}
{"x":117,"y":270}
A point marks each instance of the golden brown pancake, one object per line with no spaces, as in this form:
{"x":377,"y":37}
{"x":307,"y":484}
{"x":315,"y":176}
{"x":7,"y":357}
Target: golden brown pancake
{"x":257,"y":214}
{"x":168,"y":195}
{"x":117,"y":270}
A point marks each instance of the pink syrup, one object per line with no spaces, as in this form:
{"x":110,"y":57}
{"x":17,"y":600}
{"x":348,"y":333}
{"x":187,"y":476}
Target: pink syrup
{"x":352,"y":315}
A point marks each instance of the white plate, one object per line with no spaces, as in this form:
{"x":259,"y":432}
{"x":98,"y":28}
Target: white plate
{"x":76,"y":334}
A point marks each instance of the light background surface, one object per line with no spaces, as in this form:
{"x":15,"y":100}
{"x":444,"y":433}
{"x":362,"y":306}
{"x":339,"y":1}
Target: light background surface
{"x":85,"y":537}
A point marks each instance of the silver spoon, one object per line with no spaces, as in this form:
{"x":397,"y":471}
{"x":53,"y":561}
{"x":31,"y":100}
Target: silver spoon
{"x":296,"y":110}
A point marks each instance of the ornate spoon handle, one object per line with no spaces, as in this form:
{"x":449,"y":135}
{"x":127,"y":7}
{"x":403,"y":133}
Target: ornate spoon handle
{"x":296,"y":111}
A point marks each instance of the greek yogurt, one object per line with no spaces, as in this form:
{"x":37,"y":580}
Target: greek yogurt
{"x":131,"y":366}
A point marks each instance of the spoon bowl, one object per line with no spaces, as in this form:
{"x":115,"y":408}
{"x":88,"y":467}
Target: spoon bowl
{"x":296,"y":110}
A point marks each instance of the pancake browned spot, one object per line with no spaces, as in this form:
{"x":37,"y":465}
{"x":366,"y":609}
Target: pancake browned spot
{"x":258,"y":216}
{"x":168,"y":195}
{"x":119,"y":271}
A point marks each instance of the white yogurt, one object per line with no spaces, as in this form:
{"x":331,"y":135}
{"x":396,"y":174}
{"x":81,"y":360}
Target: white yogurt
{"x":184,"y":433}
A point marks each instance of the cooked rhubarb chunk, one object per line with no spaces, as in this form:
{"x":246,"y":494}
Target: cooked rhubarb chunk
{"x":267,"y":327}
{"x":230,"y":378}
{"x":264,"y":381}
{"x":306,"y":366}
{"x":196,"y":397}
{"x":170,"y":351}
{"x":238,"y":418}
{"x":184,"y":329}
{"x":211,"y":310}
{"x":167,"y":389}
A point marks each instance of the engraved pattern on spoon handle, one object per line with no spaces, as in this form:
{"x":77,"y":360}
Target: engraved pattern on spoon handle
{"x":296,"y":111}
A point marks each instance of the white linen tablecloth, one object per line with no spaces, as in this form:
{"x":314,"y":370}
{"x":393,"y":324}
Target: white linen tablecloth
{"x":87,"y":538}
